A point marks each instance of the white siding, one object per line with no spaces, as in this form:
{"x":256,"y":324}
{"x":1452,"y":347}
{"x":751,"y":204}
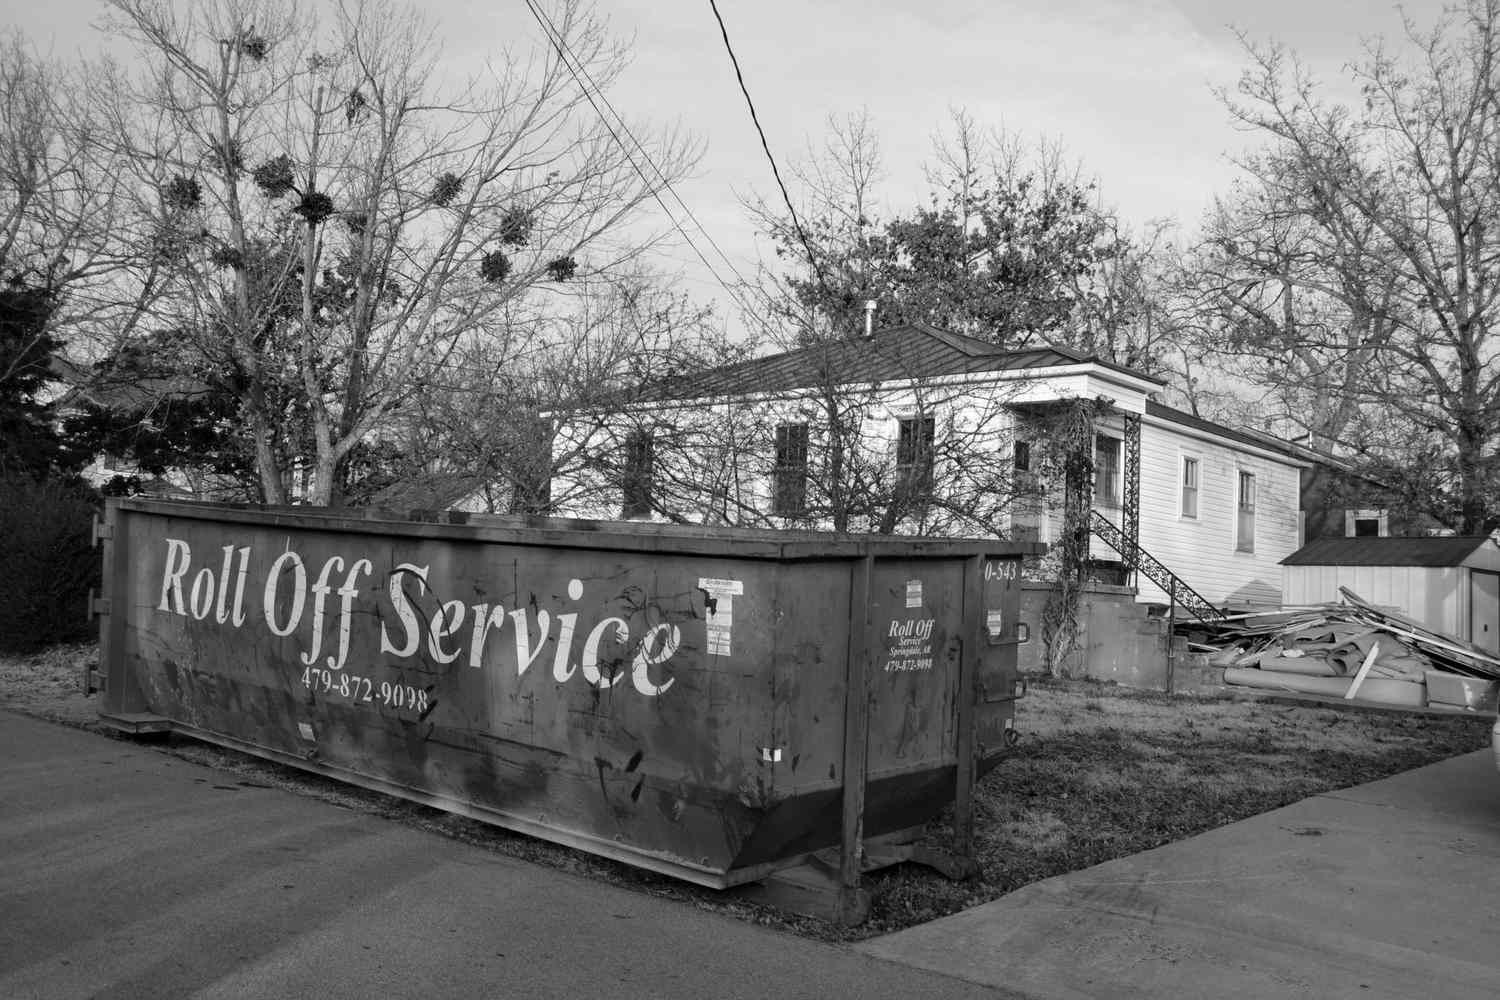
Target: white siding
{"x":1436,"y":596}
{"x":1203,"y":550}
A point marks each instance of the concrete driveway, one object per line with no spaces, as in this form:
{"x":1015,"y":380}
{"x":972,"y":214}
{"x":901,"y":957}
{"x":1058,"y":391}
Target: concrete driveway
{"x":1390,"y":889}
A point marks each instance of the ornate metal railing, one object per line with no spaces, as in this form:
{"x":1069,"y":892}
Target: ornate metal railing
{"x":1176,"y":588}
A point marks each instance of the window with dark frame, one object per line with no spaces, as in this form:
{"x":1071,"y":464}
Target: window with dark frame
{"x":1021,"y":452}
{"x":789,"y":475}
{"x":1189,"y":487}
{"x":1245,"y":535}
{"x":635,"y":480}
{"x":914,"y":458}
{"x":1107,"y":470}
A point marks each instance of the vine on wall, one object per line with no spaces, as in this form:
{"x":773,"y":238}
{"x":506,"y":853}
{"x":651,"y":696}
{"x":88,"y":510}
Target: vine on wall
{"x":1070,"y":434}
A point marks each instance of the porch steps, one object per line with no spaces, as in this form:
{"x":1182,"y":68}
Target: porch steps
{"x":1152,"y":568}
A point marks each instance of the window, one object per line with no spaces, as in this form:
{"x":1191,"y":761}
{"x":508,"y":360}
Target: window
{"x":1107,"y":470}
{"x":1189,"y":487}
{"x":1023,"y":456}
{"x":1245,"y":536}
{"x":914,"y":455}
{"x":635,"y":483}
{"x":1366,"y":523}
{"x":789,"y":476}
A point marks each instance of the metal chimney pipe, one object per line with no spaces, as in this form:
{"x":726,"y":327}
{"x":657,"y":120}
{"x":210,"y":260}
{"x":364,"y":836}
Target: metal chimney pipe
{"x":869,"y":318}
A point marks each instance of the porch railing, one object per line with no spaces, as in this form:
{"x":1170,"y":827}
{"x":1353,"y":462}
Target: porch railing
{"x":1177,"y":590}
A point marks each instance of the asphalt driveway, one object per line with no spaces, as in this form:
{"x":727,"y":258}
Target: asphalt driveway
{"x":125,"y":872}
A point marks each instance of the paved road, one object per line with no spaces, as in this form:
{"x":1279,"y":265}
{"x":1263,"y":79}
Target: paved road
{"x":1386,"y":890}
{"x":125,"y":872}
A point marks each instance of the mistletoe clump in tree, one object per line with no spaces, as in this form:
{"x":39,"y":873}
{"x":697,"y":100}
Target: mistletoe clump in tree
{"x":453,"y":208}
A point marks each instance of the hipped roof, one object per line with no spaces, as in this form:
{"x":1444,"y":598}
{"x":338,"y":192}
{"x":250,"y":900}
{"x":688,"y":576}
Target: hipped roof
{"x":893,"y":354}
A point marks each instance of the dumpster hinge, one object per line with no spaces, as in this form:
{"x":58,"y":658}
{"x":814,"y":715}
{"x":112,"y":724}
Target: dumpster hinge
{"x":94,"y":679}
{"x":102,"y":530}
{"x":97,"y":605}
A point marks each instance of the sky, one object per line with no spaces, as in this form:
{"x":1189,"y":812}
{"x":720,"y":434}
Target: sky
{"x":1126,"y":86}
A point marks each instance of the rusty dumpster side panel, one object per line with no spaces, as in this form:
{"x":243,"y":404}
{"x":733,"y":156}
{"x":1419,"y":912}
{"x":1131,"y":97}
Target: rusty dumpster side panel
{"x":675,"y":700}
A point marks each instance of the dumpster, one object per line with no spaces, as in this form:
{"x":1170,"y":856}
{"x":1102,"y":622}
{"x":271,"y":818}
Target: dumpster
{"x":713,"y":704}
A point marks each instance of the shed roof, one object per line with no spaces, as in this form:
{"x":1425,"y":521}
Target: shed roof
{"x":909,"y":351}
{"x":1442,"y":550}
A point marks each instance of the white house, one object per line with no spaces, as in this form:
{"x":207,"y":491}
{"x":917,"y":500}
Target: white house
{"x":919,"y":430}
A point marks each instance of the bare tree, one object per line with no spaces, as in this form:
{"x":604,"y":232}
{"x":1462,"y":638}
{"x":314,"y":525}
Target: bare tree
{"x":1357,"y":267}
{"x":486,"y":433}
{"x":343,"y":224}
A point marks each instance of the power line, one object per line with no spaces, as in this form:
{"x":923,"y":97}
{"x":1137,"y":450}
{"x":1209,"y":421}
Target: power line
{"x":569,"y":60}
{"x":645,"y":155}
{"x":812,"y":258}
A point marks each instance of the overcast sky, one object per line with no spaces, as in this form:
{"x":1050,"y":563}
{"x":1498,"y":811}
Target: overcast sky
{"x":1125,"y":85}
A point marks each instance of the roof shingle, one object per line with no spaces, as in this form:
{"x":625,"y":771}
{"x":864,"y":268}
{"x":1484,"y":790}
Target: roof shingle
{"x":910,"y":351}
{"x":1442,"y":550}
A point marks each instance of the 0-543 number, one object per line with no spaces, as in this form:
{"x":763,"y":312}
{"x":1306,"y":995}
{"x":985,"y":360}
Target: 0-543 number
{"x":364,"y":690}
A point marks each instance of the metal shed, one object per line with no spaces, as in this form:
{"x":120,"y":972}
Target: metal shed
{"x":1449,"y":583}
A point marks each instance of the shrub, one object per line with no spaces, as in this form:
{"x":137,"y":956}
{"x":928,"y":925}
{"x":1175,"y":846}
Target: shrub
{"x":47,"y":562}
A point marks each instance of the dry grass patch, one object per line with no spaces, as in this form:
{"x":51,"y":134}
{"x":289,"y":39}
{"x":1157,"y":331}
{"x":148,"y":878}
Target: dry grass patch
{"x":1100,"y":773}
{"x":49,"y":684}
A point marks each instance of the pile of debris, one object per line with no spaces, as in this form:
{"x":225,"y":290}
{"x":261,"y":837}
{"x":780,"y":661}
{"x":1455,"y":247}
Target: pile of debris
{"x":1352,"y":650}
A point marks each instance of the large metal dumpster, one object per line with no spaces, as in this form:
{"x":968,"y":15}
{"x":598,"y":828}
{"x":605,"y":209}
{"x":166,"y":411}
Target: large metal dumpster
{"x":712,"y":704}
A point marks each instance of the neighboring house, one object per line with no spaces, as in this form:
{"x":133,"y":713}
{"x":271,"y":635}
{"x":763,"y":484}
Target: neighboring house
{"x":77,"y":388}
{"x":919,"y":430}
{"x":1450,"y":584}
{"x":1339,"y":501}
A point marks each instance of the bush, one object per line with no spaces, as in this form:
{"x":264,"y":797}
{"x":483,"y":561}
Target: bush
{"x":47,"y":562}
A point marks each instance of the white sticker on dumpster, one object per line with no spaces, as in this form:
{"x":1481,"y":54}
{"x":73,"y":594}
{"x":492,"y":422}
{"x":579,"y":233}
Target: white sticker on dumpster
{"x":994,"y":621}
{"x":719,"y":611}
{"x":913,"y":593}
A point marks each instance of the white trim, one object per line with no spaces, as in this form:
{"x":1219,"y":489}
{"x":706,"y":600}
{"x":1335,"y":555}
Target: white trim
{"x":1196,"y":517}
{"x":1236,"y":498}
{"x":1380,"y":515}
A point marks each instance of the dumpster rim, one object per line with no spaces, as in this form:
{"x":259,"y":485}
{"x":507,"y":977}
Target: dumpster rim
{"x":633,"y":536}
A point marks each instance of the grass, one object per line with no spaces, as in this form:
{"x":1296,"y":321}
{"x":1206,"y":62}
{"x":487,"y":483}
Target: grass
{"x":1100,"y":773}
{"x":1103,"y":773}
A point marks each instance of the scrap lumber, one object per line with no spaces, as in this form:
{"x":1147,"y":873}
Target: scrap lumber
{"x":1482,"y":662}
{"x":1364,"y":671}
{"x":1348,"y":649}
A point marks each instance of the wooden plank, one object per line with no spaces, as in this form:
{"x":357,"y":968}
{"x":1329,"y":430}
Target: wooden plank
{"x":1364,"y":671}
{"x":1420,"y":631}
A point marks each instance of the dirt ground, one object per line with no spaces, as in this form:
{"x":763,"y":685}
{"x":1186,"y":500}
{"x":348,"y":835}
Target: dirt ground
{"x":1100,"y":772}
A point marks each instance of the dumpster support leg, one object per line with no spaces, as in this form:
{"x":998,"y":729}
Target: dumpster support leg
{"x":853,"y":903}
{"x":968,"y":698}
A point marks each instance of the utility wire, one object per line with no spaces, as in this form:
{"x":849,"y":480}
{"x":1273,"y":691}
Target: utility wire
{"x":558,"y":41}
{"x":569,"y":60}
{"x":812,"y":258}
